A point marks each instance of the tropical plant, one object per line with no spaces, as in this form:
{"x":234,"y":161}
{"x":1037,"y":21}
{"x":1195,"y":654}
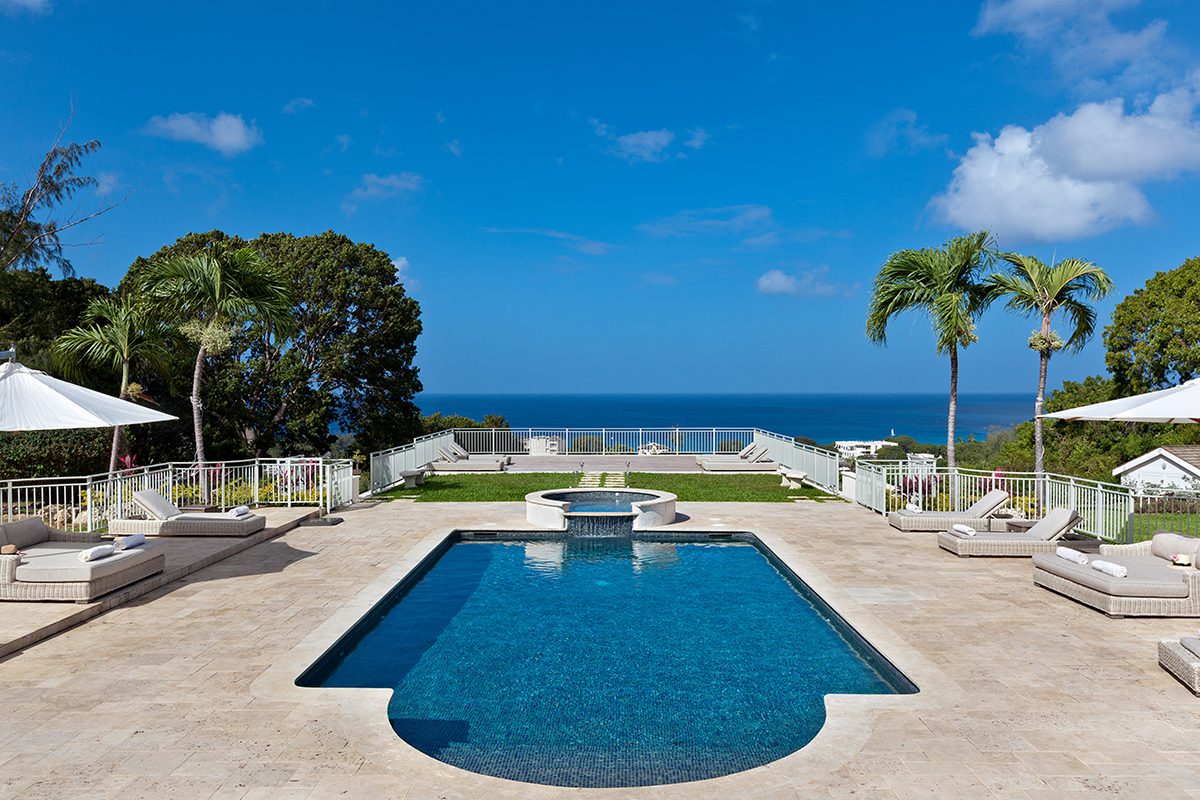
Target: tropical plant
{"x":114,"y":333}
{"x":947,"y":284}
{"x":1033,"y":288}
{"x":1152,"y":340}
{"x":216,"y":293}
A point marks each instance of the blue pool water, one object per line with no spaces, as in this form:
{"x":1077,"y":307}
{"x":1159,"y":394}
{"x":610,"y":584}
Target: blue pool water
{"x":591,"y":502}
{"x":604,"y":662}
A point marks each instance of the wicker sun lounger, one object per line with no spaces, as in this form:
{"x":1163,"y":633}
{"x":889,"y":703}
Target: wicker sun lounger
{"x":1041,"y":538}
{"x":1153,"y":587}
{"x":47,"y":566}
{"x":757,"y":463}
{"x":450,"y":462}
{"x":975,"y":516}
{"x":165,"y":519}
{"x":748,"y":453}
{"x":1182,"y":659}
{"x":461,"y":452}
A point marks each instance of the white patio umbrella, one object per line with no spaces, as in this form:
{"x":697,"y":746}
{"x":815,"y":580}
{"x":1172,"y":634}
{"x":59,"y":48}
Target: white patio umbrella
{"x":31,"y":400}
{"x":1177,"y":404}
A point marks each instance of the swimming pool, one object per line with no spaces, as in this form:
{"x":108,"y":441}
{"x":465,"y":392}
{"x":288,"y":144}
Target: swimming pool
{"x":605,"y":661}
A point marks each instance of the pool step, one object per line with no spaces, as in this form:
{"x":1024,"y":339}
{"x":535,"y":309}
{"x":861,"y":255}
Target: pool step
{"x":591,"y":480}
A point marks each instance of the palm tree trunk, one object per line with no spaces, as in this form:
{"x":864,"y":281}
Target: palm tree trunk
{"x":198,"y":407}
{"x":118,"y":431}
{"x":950,"y":419}
{"x":1039,"y":445}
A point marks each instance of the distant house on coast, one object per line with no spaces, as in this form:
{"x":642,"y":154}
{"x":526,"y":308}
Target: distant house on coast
{"x":860,"y":449}
{"x":1170,"y":466}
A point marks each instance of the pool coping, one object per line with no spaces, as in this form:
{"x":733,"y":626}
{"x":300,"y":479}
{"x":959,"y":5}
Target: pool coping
{"x":362,"y":712}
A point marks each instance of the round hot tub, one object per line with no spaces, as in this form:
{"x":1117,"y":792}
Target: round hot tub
{"x":637,"y":508}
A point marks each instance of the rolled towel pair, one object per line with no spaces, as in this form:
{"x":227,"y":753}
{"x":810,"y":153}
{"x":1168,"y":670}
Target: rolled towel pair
{"x":1109,"y":568}
{"x":97,"y":552}
{"x":914,"y":508}
{"x":1071,"y":555}
{"x":240,"y":511}
{"x":130,"y":541}
{"x":965,"y":530}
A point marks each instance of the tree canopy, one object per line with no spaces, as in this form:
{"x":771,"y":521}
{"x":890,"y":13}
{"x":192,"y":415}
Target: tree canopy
{"x":1154,"y":339}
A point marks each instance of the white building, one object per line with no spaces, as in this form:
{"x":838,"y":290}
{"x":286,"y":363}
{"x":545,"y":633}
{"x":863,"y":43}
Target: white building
{"x":1176,"y":466}
{"x":860,"y":449}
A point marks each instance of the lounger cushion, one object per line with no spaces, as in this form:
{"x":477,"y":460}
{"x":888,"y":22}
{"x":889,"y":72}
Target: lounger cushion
{"x":155,"y":504}
{"x":25,"y":533}
{"x":1165,"y":545}
{"x":1191,"y":644}
{"x":1149,"y":576}
{"x":59,"y":562}
{"x":1056,"y":522}
{"x":997,"y":536}
{"x":986,"y":505}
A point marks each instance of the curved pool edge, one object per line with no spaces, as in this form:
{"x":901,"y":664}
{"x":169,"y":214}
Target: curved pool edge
{"x":546,"y":511}
{"x":361,"y":714}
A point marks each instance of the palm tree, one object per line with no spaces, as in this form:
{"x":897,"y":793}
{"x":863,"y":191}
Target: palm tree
{"x":1033,"y":288}
{"x":115,"y":333}
{"x":947,"y":285}
{"x":216,"y":292}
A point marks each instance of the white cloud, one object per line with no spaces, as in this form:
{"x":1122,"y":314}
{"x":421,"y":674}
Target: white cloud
{"x":454,"y":148}
{"x":298,"y":104}
{"x":580,"y":243}
{"x":899,"y":131}
{"x":809,"y":283}
{"x":228,"y":134}
{"x":697,"y":140}
{"x":106,"y":183}
{"x":1081,"y":41}
{"x":1078,"y":174}
{"x":383,"y":187}
{"x":31,"y":6}
{"x":738,"y":219}
{"x":643,"y":146}
{"x":343,"y":141}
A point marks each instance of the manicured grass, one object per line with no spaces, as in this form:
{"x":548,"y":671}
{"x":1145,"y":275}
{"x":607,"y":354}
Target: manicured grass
{"x":496,"y":487}
{"x":732,"y":488}
{"x":513,"y":486}
{"x":1146,"y":525}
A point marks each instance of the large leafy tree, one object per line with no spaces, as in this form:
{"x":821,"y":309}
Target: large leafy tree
{"x":1154,"y":339}
{"x":114,"y":334}
{"x":947,"y":284}
{"x":35,"y":308}
{"x":1033,"y":288}
{"x":214,"y":294}
{"x":348,"y":360}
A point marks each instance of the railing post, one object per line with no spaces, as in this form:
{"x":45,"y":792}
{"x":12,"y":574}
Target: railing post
{"x":90,"y":505}
{"x":493,"y":441}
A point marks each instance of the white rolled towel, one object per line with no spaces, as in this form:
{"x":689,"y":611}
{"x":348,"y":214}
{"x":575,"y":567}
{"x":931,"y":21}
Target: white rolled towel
{"x":1109,"y":568}
{"x":97,"y":552}
{"x":914,"y":508}
{"x":130,"y":541}
{"x":240,"y":511}
{"x":965,"y":530}
{"x":1071,"y":555}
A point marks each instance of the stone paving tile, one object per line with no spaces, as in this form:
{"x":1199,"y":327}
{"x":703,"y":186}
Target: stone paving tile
{"x":187,"y":692}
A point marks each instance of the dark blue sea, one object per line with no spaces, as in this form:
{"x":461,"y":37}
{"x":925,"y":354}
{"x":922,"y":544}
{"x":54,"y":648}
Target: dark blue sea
{"x":823,"y":417}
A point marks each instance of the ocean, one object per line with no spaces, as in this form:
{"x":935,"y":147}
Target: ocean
{"x":823,"y":417}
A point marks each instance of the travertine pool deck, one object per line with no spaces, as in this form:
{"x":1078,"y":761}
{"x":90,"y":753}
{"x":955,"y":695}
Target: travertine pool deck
{"x":22,"y":624}
{"x":187,"y":691}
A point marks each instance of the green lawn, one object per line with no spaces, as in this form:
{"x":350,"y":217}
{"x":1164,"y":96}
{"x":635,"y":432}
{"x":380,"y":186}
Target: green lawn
{"x":513,"y":486}
{"x":733,"y":488}
{"x":492,"y":487}
{"x":1146,"y":525}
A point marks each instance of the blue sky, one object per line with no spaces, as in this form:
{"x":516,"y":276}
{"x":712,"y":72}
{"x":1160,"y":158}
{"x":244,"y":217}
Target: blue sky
{"x":628,"y":196}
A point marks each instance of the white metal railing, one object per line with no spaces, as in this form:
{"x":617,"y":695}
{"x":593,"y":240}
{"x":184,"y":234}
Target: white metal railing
{"x":1110,"y":511}
{"x":87,"y":502}
{"x":387,"y":465}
